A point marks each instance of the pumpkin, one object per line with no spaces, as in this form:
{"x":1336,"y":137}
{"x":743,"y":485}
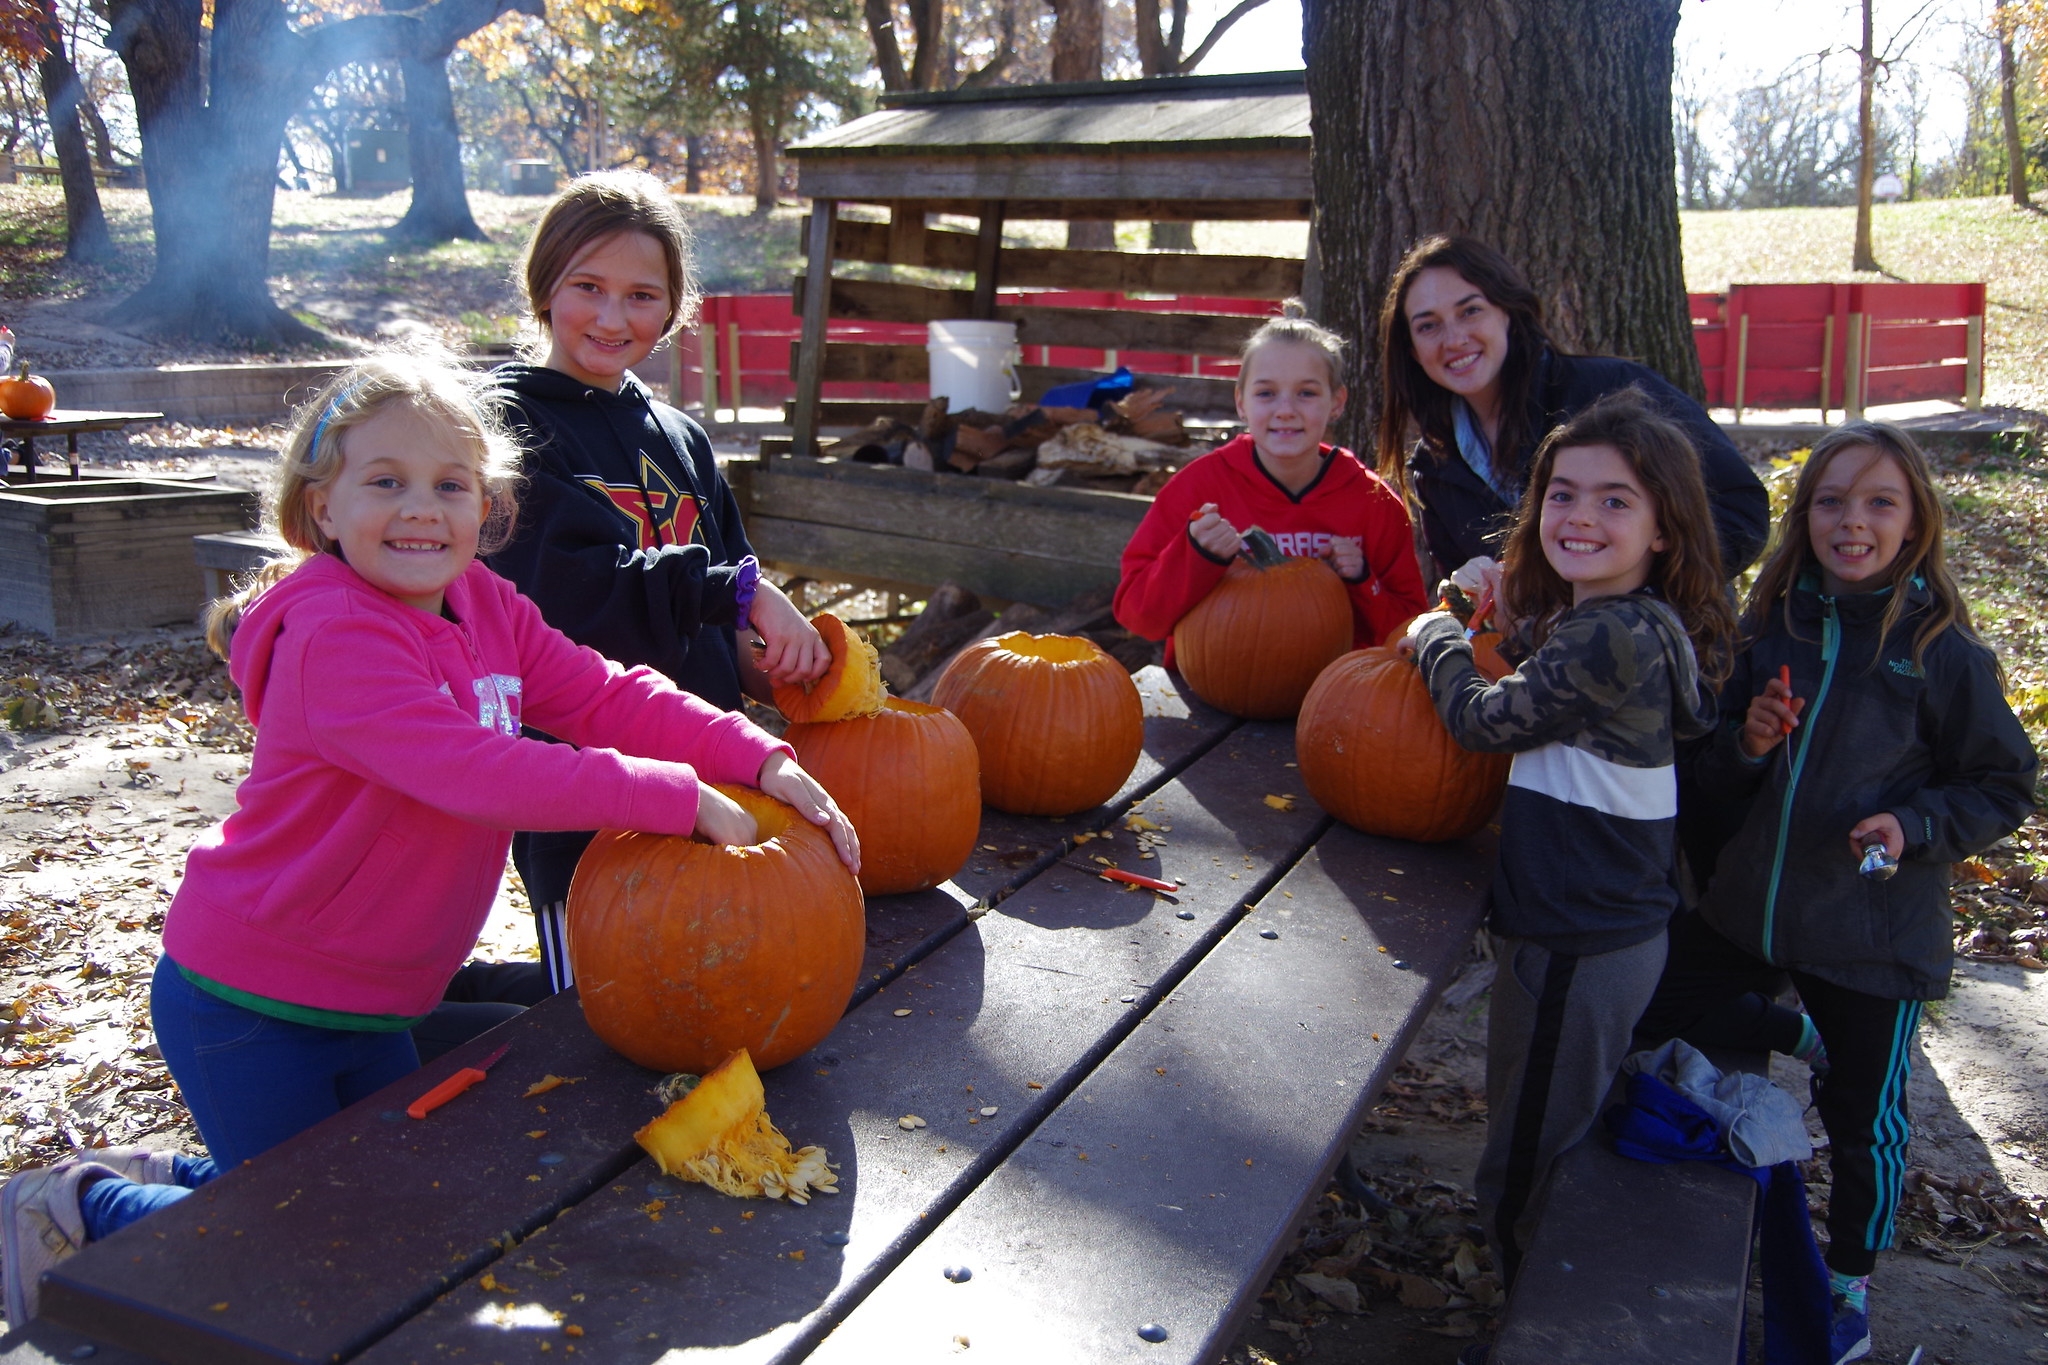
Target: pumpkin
{"x":909,"y":780}
{"x":1254,"y":645}
{"x":720,"y":1135}
{"x":1057,"y":722}
{"x":852,"y":686}
{"x":26,"y":397}
{"x":1374,"y":754}
{"x":685,"y":952}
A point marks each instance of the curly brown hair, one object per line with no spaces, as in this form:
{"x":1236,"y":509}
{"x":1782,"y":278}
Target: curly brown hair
{"x":1686,"y":573}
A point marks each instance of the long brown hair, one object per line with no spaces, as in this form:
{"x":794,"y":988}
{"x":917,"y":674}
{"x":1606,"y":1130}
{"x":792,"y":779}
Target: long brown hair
{"x":1922,"y":557}
{"x":1412,"y":396}
{"x":1686,"y":572}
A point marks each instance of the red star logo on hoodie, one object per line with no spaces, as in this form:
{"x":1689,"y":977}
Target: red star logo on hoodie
{"x":662,"y":513}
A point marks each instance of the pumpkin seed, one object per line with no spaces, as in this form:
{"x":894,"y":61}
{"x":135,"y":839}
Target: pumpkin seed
{"x":902,"y":1014}
{"x":910,"y":1123}
{"x":988,"y":1111}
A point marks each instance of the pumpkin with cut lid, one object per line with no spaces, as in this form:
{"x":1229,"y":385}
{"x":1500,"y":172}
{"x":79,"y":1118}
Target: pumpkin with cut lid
{"x":1057,"y":722}
{"x":686,"y":952}
{"x":1254,"y":645}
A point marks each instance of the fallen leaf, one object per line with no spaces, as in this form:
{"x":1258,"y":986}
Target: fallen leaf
{"x":1280,"y":802}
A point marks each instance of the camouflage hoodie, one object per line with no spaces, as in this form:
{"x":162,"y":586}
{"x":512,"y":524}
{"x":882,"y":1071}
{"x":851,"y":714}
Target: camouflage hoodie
{"x":1593,"y":718}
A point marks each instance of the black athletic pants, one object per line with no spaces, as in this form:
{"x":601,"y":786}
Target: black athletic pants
{"x":1714,"y":994}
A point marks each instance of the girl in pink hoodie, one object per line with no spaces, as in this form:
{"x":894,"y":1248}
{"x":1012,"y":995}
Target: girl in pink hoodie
{"x":387,"y":674}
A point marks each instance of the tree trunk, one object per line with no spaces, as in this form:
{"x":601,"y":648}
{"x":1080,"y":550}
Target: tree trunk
{"x":767,"y":168}
{"x":1540,"y":126}
{"x":1173,"y":237}
{"x":1864,"y":256}
{"x":86,"y":238}
{"x":2008,"y":109}
{"x":439,"y":211}
{"x":693,"y":163}
{"x":1077,"y":56}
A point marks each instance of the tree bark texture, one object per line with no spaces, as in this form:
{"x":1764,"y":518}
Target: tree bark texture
{"x":1077,"y":56}
{"x":1542,"y":127}
{"x":439,"y":211}
{"x":86,"y":238}
{"x":1864,"y":256}
{"x":212,"y":118}
{"x":2008,"y":109}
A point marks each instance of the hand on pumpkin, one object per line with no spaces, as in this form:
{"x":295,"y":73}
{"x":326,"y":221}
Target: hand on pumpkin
{"x":1773,"y":714}
{"x":1347,"y":556}
{"x":1479,"y":578}
{"x":788,"y":783}
{"x":722,"y":820}
{"x":795,"y":652}
{"x":1405,"y":646}
{"x":1214,"y":534}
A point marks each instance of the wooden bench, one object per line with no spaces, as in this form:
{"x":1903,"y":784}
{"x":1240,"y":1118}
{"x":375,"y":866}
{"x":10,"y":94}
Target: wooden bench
{"x":1036,"y":989}
{"x":1634,"y":1261}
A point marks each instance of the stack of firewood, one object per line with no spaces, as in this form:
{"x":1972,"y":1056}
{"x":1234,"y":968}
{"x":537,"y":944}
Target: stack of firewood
{"x":1133,"y":445}
{"x":954,"y":618}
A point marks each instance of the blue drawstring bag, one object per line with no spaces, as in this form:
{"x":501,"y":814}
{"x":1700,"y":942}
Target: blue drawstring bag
{"x":1091,"y":393}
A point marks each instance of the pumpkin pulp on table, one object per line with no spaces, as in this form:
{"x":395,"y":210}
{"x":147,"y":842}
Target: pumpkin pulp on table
{"x":720,"y":1135}
{"x":1254,"y":645}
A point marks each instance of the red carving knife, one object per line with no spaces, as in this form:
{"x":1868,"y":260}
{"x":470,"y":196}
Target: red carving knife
{"x":454,"y":1085}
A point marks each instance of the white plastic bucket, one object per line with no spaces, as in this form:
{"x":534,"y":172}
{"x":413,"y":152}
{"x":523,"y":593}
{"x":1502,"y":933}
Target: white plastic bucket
{"x":974,"y":364}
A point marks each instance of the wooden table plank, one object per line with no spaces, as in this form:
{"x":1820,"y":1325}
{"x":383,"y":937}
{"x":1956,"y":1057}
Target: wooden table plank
{"x":1165,"y":1188}
{"x":343,"y":1232}
{"x":1036,"y":991}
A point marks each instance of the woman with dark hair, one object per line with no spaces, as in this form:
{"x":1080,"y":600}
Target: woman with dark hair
{"x":1471,"y":367}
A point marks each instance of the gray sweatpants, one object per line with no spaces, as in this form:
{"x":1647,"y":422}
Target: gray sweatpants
{"x":1557,"y":1030}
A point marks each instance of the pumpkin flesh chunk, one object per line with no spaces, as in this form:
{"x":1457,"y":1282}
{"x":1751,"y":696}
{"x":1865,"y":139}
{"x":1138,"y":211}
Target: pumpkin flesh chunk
{"x":852,"y":685}
{"x":720,"y":1135}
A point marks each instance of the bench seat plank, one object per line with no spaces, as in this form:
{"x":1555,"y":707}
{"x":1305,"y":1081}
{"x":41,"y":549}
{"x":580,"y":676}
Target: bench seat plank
{"x":1167,"y":1186}
{"x":1633,"y":1261}
{"x":1032,"y":994}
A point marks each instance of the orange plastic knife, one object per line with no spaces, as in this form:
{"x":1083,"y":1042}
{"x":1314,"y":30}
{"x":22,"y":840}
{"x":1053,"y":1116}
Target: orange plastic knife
{"x":454,"y":1085}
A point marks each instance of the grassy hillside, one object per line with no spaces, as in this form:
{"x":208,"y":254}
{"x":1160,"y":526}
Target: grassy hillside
{"x":1939,"y":240}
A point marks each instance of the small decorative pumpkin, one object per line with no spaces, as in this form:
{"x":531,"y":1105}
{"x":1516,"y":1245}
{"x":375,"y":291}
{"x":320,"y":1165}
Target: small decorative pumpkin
{"x":909,"y":780}
{"x":1058,"y":723}
{"x":26,"y":397}
{"x":720,"y":1135}
{"x":1254,"y":645}
{"x":852,"y":686}
{"x":1374,"y":754}
{"x":686,"y":952}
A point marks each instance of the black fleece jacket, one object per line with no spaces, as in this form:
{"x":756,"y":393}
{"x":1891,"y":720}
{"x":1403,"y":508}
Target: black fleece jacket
{"x":1935,"y":744}
{"x":1463,"y":517}
{"x":629,"y":539}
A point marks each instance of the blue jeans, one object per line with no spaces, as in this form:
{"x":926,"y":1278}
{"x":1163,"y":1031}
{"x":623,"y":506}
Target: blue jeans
{"x":251,"y":1082}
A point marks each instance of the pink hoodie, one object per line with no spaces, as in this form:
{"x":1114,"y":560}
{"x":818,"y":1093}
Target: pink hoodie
{"x":372,"y":828}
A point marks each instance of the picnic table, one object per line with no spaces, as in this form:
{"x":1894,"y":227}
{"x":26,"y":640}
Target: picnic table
{"x":1130,"y":1102}
{"x":65,"y":422}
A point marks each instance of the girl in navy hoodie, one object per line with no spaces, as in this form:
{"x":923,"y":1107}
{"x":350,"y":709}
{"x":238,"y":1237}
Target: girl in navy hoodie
{"x":629,"y":539}
{"x":1867,"y":745}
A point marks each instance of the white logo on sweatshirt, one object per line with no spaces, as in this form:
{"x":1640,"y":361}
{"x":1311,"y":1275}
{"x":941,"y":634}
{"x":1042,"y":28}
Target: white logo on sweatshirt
{"x":497,"y":702}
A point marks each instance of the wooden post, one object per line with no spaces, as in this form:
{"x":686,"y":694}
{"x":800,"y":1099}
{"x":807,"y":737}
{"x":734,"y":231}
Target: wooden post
{"x":1741,"y":365}
{"x":906,"y":234}
{"x":732,"y":365}
{"x":707,"y":353}
{"x":1973,"y":371}
{"x":1827,"y":363}
{"x":810,"y":363}
{"x":1853,"y":361}
{"x":988,"y":251}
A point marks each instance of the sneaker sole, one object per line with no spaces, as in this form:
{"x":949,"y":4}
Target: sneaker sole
{"x":1858,"y":1351}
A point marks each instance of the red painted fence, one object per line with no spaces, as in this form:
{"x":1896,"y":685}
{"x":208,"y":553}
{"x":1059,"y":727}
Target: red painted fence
{"x":1826,"y":346}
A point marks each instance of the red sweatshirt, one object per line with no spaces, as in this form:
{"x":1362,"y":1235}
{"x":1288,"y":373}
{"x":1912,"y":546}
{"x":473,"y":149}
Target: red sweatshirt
{"x":1165,"y":573}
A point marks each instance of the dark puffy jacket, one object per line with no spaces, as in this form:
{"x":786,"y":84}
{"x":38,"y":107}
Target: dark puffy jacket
{"x":629,"y":539}
{"x":1936,"y":745}
{"x":1463,"y":517}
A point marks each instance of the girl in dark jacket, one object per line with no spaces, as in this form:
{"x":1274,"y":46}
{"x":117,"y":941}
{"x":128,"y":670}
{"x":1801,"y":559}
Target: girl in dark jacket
{"x":1868,"y":746}
{"x":1470,"y":367}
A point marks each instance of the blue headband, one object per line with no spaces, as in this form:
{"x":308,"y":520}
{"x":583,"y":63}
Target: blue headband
{"x":333,"y":409}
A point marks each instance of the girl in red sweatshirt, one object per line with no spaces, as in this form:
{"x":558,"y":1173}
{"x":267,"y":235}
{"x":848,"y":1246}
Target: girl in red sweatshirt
{"x":1314,"y":498}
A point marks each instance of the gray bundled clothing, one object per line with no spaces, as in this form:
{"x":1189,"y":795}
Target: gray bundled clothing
{"x":1761,"y":1124}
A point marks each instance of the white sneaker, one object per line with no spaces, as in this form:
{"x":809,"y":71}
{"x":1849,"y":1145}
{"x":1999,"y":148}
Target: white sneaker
{"x":41,"y":1225}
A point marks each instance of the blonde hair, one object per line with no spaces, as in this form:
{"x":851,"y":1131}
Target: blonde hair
{"x":432,"y":386}
{"x":1924,"y":556}
{"x":1295,"y":327}
{"x":593,"y":207}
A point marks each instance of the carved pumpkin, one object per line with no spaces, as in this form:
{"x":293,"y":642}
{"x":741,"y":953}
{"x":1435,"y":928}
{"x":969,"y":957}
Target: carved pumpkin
{"x":686,"y":952}
{"x":26,"y":397}
{"x":852,"y":686}
{"x":1254,"y":645}
{"x":720,"y":1135}
{"x":1374,"y":754}
{"x":909,"y":780}
{"x":1058,"y":723}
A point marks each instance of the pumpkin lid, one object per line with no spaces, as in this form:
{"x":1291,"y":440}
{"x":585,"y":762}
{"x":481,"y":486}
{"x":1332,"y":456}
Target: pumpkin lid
{"x":852,"y":685}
